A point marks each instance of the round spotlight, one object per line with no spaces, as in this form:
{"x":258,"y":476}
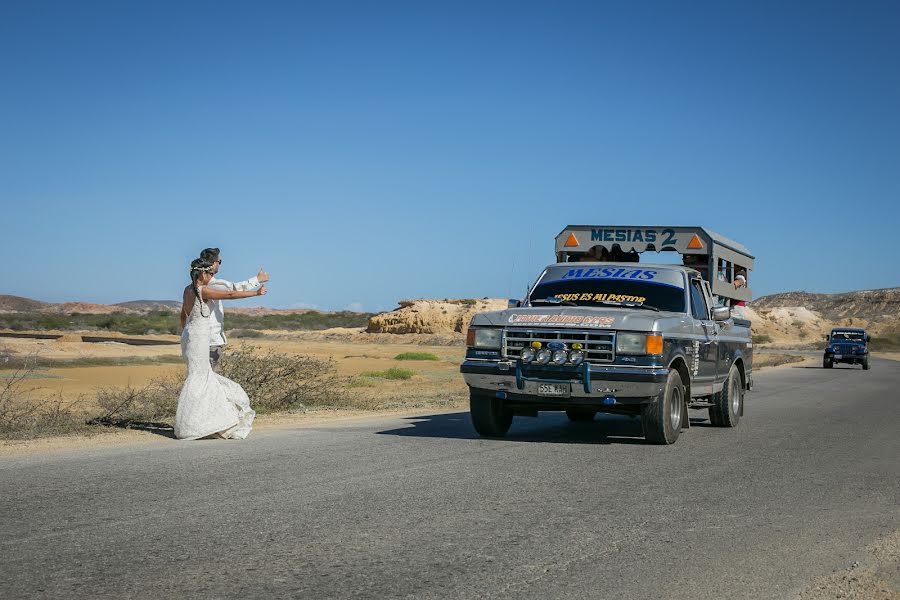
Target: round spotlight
{"x":576,"y":357}
{"x":560,"y":357}
{"x":543,"y":356}
{"x":527,"y":355}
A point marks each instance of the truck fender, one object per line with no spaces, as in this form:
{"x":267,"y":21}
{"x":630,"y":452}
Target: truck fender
{"x":679,"y":364}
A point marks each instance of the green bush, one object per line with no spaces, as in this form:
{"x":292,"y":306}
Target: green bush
{"x":761,"y":338}
{"x":416,"y":356}
{"x":885,"y":343}
{"x":392,"y":373}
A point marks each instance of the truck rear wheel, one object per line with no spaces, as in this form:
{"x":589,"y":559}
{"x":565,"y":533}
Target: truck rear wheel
{"x":661,"y":420}
{"x":581,"y":415}
{"x":489,"y":417}
{"x":826,"y":362}
{"x":728,"y":403}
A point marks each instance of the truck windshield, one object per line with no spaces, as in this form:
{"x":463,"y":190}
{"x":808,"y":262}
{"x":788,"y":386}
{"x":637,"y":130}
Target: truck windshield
{"x":843,"y":336}
{"x":606,"y":292}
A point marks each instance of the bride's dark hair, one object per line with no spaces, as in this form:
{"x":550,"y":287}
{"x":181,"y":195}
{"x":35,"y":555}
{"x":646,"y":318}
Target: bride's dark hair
{"x":198,"y":267}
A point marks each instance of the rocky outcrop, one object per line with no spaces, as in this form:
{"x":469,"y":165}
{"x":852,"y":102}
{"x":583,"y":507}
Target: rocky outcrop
{"x":432,"y":316}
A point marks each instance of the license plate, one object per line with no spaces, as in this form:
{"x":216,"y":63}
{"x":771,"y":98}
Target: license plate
{"x":839,"y":356}
{"x":554,"y":389}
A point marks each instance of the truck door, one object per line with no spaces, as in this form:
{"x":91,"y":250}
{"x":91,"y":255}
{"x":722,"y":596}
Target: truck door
{"x":706,"y":341}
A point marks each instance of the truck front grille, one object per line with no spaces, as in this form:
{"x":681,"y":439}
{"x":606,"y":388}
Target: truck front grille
{"x":598,"y":346}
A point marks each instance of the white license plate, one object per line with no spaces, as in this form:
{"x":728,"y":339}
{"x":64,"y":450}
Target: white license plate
{"x":839,"y":356}
{"x":554,"y":389}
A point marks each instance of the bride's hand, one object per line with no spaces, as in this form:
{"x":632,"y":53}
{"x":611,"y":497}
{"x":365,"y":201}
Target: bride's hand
{"x":262,"y":291}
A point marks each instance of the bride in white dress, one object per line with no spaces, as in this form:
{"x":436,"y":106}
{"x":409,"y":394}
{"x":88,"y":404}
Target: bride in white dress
{"x":209,"y":404}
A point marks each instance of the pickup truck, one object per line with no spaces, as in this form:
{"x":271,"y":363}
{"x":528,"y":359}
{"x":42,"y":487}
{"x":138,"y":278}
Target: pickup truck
{"x":847,"y":345}
{"x":625,"y":338}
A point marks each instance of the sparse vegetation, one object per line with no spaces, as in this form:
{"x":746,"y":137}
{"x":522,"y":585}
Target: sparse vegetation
{"x":761,"y":338}
{"x":885,"y":343}
{"x":41,"y":363}
{"x":361,"y":382}
{"x":416,"y":356}
{"x":245,"y":333}
{"x":153,"y":403}
{"x":24,"y":416}
{"x":392,"y":373}
{"x":166,"y":322}
{"x":276,"y":381}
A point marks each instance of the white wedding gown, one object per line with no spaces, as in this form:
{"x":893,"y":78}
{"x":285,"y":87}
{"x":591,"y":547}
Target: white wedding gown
{"x":209,"y":404}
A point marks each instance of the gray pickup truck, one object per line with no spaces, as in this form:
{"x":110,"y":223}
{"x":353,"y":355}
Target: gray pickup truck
{"x":599,"y":332}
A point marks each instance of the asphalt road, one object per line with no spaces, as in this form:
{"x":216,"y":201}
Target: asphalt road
{"x":422,"y":508}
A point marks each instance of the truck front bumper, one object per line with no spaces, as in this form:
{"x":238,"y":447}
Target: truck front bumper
{"x":589,"y":385}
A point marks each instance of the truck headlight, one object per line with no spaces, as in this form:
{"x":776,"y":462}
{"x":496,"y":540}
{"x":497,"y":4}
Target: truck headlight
{"x":560,"y":357}
{"x":631,"y":343}
{"x":527,"y":355}
{"x":639,"y":343}
{"x":576,"y":357}
{"x":484,"y":338}
{"x":543,"y":356}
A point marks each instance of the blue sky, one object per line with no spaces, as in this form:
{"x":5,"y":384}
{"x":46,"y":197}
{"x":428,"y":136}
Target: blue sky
{"x":365,"y":152}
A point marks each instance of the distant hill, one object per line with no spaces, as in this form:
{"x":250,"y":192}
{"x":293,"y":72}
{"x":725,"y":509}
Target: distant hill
{"x":871,"y":305}
{"x":19,"y":304}
{"x":9,"y":304}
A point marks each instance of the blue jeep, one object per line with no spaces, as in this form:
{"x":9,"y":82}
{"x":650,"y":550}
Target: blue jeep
{"x":847,"y":345}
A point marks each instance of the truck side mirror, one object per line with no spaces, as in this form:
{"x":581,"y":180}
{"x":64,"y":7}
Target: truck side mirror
{"x":513,"y":303}
{"x":868,"y":338}
{"x":826,"y":338}
{"x":721,"y":313}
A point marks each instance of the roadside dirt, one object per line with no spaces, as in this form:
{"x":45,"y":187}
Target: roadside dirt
{"x":873,"y":575}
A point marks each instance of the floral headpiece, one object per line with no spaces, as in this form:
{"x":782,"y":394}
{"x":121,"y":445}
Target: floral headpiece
{"x":204,"y":269}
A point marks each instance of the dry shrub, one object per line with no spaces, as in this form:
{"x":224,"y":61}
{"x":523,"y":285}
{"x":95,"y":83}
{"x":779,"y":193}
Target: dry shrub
{"x":276,"y":381}
{"x":24,"y":416}
{"x":152,"y":404}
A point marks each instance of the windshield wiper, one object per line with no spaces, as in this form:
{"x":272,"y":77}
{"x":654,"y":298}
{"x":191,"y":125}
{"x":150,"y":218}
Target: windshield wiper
{"x":553,"y":300}
{"x":627,"y":304}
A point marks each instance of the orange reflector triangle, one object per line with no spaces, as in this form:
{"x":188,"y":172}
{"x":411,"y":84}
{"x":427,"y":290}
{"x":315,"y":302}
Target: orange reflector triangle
{"x":571,"y":240}
{"x":695,"y":243}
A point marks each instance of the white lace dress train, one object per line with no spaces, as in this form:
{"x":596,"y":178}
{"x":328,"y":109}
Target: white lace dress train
{"x":209,"y":404}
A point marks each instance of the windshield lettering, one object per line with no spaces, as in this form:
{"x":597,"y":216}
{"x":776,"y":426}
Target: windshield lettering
{"x":610,"y":273}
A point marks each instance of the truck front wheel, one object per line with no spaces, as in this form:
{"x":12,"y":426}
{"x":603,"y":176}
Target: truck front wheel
{"x":489,"y":417}
{"x":661,"y":420}
{"x":865,"y":363}
{"x":826,"y":362}
{"x":727,"y":409}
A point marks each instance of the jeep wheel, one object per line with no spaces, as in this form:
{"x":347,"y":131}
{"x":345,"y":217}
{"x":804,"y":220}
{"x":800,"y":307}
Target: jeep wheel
{"x":865,"y":364}
{"x":728,"y":404}
{"x":826,"y":363}
{"x":661,"y":420}
{"x":489,"y":417}
{"x":581,"y":415}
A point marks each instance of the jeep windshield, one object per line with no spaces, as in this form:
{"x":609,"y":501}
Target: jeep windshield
{"x":610,"y":286}
{"x":847,"y":336}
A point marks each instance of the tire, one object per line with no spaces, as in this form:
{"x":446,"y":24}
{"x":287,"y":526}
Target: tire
{"x":827,"y":363}
{"x":729,"y":403}
{"x":581,"y":415}
{"x":661,"y":420}
{"x":865,"y":364}
{"x":489,"y":417}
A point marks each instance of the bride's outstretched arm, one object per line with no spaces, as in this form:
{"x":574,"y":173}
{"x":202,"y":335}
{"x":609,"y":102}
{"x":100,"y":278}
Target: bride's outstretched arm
{"x":211,"y":293}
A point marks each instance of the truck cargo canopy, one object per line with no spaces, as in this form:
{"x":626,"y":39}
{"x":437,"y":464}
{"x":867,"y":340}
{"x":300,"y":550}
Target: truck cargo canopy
{"x":719,"y":259}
